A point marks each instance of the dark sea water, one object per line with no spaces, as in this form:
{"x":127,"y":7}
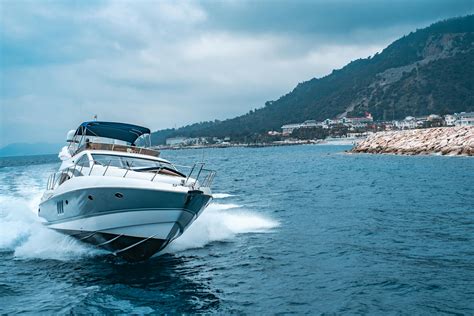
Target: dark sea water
{"x":302,"y":229}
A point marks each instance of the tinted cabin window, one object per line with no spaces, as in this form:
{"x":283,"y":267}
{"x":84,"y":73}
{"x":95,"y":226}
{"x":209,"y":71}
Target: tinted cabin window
{"x":107,"y":160}
{"x":83,"y":161}
{"x":129,"y":162}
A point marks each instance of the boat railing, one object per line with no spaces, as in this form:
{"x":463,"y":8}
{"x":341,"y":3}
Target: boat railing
{"x":197,"y":177}
{"x":203,"y":176}
{"x":59,"y":177}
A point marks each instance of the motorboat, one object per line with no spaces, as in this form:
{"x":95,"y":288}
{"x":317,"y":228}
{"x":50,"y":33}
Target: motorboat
{"x":113,"y":191}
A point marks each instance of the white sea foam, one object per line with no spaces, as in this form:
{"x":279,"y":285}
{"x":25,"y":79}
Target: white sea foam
{"x":219,"y":222}
{"x":221,"y":195}
{"x":22,"y":232}
{"x":226,"y":206}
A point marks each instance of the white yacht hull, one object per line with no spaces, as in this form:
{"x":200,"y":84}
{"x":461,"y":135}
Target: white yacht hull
{"x":131,"y":218}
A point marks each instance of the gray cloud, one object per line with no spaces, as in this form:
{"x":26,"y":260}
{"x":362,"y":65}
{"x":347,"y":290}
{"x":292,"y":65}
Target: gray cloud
{"x":339,"y":18}
{"x":164,"y":64}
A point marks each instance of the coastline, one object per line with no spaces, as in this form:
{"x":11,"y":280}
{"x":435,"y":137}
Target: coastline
{"x":450,"y":141}
{"x":255,"y":145}
{"x":328,"y":142}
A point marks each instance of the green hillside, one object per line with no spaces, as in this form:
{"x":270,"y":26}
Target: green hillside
{"x":428,"y":71}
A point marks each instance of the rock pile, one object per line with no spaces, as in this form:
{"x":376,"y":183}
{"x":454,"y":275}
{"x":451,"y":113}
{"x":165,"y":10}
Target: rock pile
{"x":457,"y":140}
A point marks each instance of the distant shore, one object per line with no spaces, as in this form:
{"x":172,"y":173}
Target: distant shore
{"x":331,"y":141}
{"x":452,"y":141}
{"x":251,"y":145}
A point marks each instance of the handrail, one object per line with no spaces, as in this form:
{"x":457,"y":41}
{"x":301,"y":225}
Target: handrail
{"x":92,"y":167}
{"x":156,"y":172}
{"x":73,"y":171}
{"x":200,"y":170}
{"x":206,"y":182}
{"x":189,"y":175}
{"x":129,"y":167}
{"x":107,"y":167}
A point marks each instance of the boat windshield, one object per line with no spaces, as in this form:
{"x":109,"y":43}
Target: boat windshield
{"x":130,"y":162}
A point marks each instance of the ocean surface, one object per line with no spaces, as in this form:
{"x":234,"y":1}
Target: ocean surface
{"x":302,"y":229}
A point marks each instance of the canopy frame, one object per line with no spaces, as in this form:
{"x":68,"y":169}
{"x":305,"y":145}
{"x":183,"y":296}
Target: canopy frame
{"x":113,"y":130}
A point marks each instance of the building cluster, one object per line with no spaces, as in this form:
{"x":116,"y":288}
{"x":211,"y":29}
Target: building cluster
{"x":361,"y":125}
{"x":460,"y":119}
{"x":433,"y":120}
{"x":343,"y":127}
{"x":352,"y":123}
{"x":195,"y":141}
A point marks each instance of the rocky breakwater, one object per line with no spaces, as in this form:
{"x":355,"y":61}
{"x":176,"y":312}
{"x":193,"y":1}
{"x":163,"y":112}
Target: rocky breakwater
{"x":452,"y":141}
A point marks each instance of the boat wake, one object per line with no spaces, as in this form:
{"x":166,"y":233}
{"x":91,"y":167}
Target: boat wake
{"x":23,"y":234}
{"x":221,"y":195}
{"x":221,"y":222}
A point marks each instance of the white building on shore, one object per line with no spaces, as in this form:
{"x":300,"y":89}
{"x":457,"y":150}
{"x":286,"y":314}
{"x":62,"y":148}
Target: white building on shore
{"x":175,"y":141}
{"x":450,"y":119}
{"x":185,"y":141}
{"x":409,"y":122}
{"x":289,"y":128}
{"x":358,"y":122}
{"x":352,"y":122}
{"x":465,"y":119}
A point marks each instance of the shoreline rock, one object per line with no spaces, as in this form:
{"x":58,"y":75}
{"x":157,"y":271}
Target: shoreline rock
{"x":452,"y":141}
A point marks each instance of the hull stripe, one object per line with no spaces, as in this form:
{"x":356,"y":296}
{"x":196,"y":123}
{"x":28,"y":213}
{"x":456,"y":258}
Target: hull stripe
{"x":118,"y":211}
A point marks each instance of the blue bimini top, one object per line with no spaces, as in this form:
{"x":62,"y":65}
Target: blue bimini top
{"x":114,"y":130}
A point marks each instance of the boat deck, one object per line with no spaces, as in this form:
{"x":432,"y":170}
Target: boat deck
{"x":119,"y":148}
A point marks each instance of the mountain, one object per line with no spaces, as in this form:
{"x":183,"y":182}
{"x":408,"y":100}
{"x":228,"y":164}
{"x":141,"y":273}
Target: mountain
{"x":24,"y":149}
{"x":428,"y":71}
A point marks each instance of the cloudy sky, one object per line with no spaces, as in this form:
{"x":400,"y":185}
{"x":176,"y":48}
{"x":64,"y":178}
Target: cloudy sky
{"x":166,"y":63}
